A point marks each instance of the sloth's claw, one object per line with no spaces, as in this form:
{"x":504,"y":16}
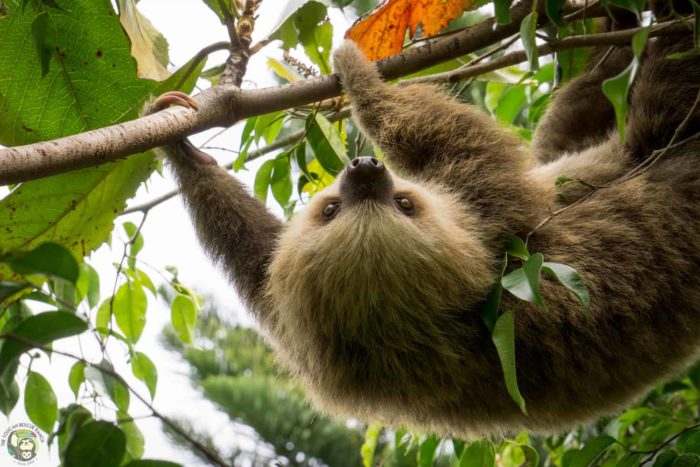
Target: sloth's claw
{"x":173,"y":98}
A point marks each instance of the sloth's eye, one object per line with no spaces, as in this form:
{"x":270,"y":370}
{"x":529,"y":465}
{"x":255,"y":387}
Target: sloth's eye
{"x":330,"y":210}
{"x":405,"y":204}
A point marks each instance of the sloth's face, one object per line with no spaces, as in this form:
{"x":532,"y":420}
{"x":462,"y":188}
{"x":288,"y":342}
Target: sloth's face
{"x":376,"y":243}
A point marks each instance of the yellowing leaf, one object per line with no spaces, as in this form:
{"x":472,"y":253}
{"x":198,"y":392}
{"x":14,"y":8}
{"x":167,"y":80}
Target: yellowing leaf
{"x":148,"y":46}
{"x":381,"y":34}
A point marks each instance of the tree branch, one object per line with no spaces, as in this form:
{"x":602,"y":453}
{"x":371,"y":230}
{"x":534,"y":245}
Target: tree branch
{"x":208,"y":454}
{"x":223,"y":106}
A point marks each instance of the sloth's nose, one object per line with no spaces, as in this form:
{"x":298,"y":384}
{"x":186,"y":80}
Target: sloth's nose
{"x":366,"y":178}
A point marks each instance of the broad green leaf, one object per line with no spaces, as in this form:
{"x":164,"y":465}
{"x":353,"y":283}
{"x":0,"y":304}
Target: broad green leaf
{"x":184,"y":318}
{"x":41,"y":329}
{"x":144,"y":369}
{"x":516,"y":247}
{"x":572,"y":63}
{"x":91,"y":83}
{"x":617,"y":88}
{"x":140,"y":277}
{"x":665,"y":458}
{"x":686,"y":460}
{"x":502,"y":11}
{"x":524,"y":282}
{"x":281,"y":179}
{"x":592,"y":450}
{"x":510,"y":104}
{"x":426,"y":452}
{"x":88,"y":284}
{"x":317,"y":41}
{"x":268,"y":126}
{"x":104,"y":318}
{"x":689,"y":442}
{"x":283,"y":26}
{"x":215,"y":6}
{"x":528,"y":28}
{"x":553,"y":10}
{"x":457,"y":447}
{"x":570,"y":279}
{"x":96,"y":444}
{"x":635,"y":6}
{"x":148,"y":45}
{"x":129,"y":309}
{"x":42,"y":32}
{"x":111,"y":386}
{"x":76,"y":377}
{"x":134,"y":438}
{"x":262,"y":180}
{"x":370,"y":445}
{"x":9,"y":392}
{"x":326,"y":142}
{"x":70,"y":420}
{"x":504,"y":339}
{"x":489,"y":312}
{"x":532,"y":457}
{"x":479,"y":454}
{"x":48,"y":259}
{"x":40,"y":402}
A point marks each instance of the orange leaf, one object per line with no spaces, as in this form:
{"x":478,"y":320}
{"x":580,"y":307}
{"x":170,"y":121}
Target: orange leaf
{"x":382,"y":33}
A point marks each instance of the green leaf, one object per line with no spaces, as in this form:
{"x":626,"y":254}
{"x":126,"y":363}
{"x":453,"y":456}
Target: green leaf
{"x":41,"y":329}
{"x":111,"y":386}
{"x":592,"y":451}
{"x":215,"y":6}
{"x":317,"y":41}
{"x":268,"y":126}
{"x":370,"y":445}
{"x":689,"y":442}
{"x":665,"y":458}
{"x":516,"y":247}
{"x":532,"y":457}
{"x":40,"y":402}
{"x":686,"y":460}
{"x":426,"y":452}
{"x":327,"y":144}
{"x":479,"y":454}
{"x":528,"y":28}
{"x":553,"y":10}
{"x":281,"y":179}
{"x":502,"y":11}
{"x":570,"y":279}
{"x":617,"y":88}
{"x":134,"y":438}
{"x":504,"y":339}
{"x":76,"y":377}
{"x":49,"y":259}
{"x":144,"y":369}
{"x":489,"y":312}
{"x":262,"y":180}
{"x":129,"y":308}
{"x":70,"y":419}
{"x":184,"y":318}
{"x":9,"y":392}
{"x":285,"y":27}
{"x":96,"y":444}
{"x":93,"y":84}
{"x":42,"y":31}
{"x":524,"y":282}
{"x":510,"y":104}
{"x":562,"y":180}
{"x":148,"y":46}
{"x":103,"y":318}
{"x":88,"y":284}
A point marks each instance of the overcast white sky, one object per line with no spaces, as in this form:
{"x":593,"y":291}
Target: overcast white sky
{"x":169,"y":240}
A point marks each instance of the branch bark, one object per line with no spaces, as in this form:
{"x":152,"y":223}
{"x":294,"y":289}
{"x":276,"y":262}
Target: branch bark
{"x":223,"y":106}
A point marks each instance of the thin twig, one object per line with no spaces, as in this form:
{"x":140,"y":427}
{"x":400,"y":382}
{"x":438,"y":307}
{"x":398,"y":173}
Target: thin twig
{"x":211,"y":456}
{"x":201,"y":55}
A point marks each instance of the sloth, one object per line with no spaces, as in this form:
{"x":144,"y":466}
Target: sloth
{"x":371,"y":295}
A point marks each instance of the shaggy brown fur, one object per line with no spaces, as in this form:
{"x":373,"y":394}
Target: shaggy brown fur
{"x":377,"y":313}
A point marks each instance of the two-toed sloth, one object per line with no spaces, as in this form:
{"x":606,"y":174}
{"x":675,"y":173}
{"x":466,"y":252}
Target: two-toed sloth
{"x":371,"y":294}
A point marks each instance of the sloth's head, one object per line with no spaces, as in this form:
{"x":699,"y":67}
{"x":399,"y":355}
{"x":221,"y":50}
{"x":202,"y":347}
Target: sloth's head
{"x":373,"y":240}
{"x":373,"y":261}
